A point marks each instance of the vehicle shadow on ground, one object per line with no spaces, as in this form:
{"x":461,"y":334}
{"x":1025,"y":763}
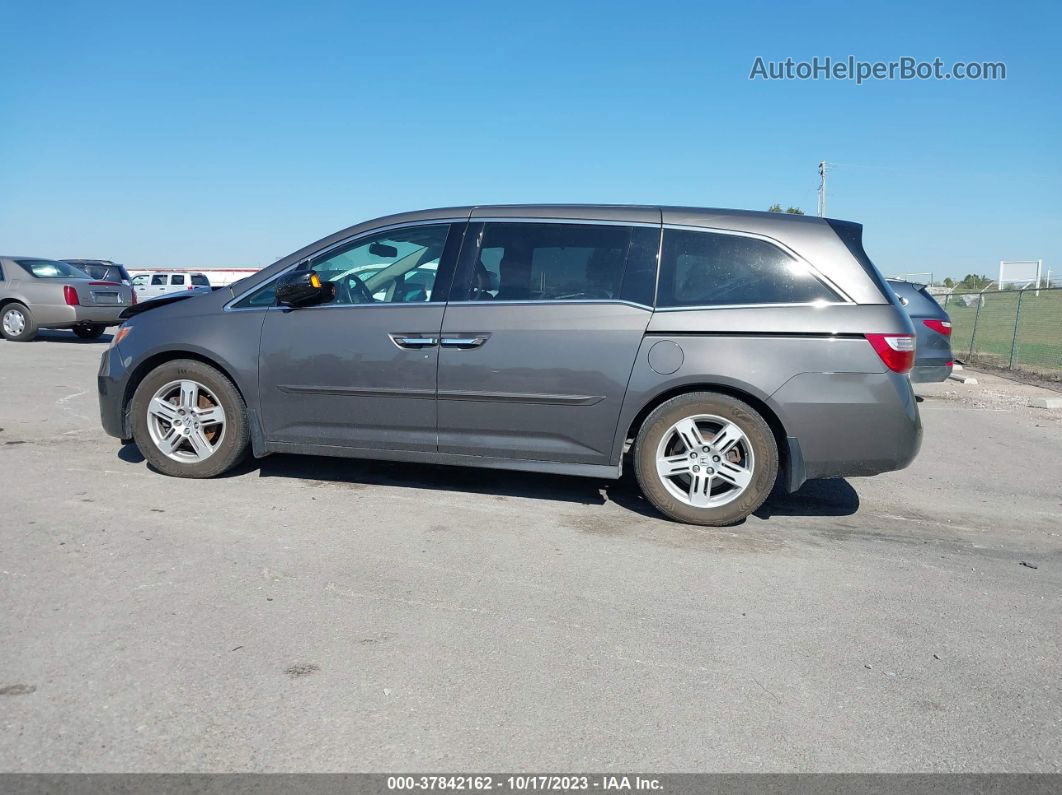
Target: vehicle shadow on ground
{"x":58,"y":335}
{"x":131,"y":454}
{"x":834,"y":497}
{"x":431,"y":477}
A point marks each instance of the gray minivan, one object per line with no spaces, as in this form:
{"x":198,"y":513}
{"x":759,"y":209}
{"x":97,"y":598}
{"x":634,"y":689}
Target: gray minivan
{"x":721,"y":349}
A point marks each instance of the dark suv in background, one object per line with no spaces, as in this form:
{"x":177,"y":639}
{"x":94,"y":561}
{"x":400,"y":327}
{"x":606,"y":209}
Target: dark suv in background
{"x":102,"y":269}
{"x":933,"y":357}
{"x":718,"y":348}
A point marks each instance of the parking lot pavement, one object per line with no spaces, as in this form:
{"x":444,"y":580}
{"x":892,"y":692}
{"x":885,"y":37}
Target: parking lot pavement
{"x":319,"y":614}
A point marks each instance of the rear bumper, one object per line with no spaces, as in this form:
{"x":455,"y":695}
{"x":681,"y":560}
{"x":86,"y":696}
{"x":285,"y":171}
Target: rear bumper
{"x":931,"y":372}
{"x":70,"y":316}
{"x":110,"y":384}
{"x":850,"y":423}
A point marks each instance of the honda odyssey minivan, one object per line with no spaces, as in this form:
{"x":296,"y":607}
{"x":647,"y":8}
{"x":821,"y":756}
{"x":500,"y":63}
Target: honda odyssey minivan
{"x":716,"y":351}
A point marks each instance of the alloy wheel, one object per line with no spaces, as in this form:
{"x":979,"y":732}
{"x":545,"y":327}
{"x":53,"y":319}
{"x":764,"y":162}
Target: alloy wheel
{"x":705,"y":461}
{"x":186,"y":421}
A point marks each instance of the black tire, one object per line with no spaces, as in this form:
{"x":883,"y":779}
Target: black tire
{"x":757,"y":432}
{"x":90,"y":331}
{"x":233,"y":447}
{"x":28,"y":332}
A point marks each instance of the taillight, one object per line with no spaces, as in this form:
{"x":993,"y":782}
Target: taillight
{"x":132,"y":294}
{"x":120,"y":334}
{"x":896,"y":350}
{"x":70,"y":295}
{"x":939,"y":326}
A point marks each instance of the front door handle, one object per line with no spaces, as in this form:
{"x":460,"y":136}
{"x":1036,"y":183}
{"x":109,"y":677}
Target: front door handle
{"x":464,"y":341}
{"x":413,"y":341}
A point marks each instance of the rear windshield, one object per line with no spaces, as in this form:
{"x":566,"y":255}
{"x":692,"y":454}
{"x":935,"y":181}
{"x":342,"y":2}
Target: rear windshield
{"x":200,"y":279}
{"x":916,"y":299}
{"x":929,"y":296}
{"x":111,"y":273}
{"x":51,"y":269}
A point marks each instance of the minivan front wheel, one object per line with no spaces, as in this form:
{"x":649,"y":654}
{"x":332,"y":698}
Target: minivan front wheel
{"x":189,"y":420}
{"x":706,"y":458}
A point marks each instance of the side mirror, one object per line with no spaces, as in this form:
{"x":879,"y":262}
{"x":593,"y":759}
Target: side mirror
{"x":304,"y":288}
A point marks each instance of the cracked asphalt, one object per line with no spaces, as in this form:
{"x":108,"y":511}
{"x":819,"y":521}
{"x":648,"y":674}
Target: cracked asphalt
{"x":311,"y":614}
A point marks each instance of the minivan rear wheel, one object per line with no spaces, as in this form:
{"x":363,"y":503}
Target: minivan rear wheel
{"x":189,"y":420}
{"x":705,"y":458}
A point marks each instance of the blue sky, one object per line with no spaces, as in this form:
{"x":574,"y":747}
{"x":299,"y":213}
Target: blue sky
{"x":232,"y":134}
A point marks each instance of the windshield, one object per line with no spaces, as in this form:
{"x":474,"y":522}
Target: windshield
{"x":51,"y":269}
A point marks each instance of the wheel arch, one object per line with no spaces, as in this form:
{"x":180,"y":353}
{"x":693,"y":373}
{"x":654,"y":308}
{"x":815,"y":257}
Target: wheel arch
{"x":141,"y":371}
{"x":788,"y":452}
{"x":13,"y":299}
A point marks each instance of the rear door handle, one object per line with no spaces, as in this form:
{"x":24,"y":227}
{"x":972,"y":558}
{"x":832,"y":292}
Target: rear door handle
{"x":413,"y":341}
{"x":467,"y":341}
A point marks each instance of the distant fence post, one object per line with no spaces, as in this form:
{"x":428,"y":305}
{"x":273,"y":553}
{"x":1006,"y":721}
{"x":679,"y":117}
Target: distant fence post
{"x":1014,"y":339}
{"x":973,"y":336}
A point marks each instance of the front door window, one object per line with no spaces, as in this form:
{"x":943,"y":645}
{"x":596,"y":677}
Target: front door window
{"x":395,"y":267}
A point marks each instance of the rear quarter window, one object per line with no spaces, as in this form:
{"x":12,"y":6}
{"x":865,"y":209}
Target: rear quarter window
{"x":713,"y":269}
{"x":200,"y":280}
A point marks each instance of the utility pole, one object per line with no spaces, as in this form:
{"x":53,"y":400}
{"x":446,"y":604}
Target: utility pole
{"x":822,"y":188}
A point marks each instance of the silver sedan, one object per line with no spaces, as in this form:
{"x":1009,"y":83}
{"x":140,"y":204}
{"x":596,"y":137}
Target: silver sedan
{"x":40,"y":293}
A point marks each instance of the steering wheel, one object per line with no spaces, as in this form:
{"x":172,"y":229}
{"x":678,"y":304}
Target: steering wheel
{"x":352,"y":290}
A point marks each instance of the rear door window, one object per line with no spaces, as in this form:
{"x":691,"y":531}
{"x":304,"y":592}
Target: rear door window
{"x":178,"y":279}
{"x":548,"y":262}
{"x":713,"y":269}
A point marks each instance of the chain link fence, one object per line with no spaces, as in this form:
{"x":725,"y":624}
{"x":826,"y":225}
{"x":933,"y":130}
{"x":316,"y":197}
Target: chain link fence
{"x":1013,"y":329}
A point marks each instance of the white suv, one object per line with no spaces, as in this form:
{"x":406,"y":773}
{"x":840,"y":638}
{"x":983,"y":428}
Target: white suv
{"x":152,"y":284}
